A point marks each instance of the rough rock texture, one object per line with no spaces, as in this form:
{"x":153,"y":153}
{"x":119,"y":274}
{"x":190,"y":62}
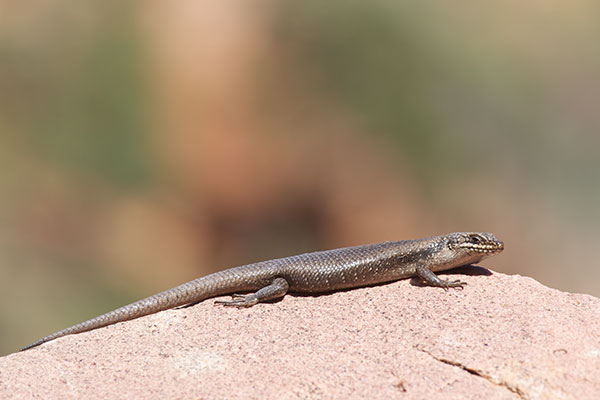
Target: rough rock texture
{"x":501,"y":337}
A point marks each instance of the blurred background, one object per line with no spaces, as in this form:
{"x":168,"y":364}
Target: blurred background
{"x":144,"y":144}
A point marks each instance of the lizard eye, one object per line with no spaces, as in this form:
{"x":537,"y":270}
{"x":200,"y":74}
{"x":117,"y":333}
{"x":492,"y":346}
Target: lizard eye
{"x":475,"y":239}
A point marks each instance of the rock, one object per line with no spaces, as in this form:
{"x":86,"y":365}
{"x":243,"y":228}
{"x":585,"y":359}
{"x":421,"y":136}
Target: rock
{"x":501,"y":337}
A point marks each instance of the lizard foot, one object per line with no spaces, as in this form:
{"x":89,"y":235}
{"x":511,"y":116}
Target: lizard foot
{"x":453,"y":284}
{"x":239,"y":300}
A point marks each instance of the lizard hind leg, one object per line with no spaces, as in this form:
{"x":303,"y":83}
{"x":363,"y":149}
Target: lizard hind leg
{"x":277,"y":289}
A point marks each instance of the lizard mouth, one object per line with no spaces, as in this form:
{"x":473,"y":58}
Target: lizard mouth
{"x":494,"y":247}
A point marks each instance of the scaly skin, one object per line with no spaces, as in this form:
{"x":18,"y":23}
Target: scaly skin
{"x":322,"y":271}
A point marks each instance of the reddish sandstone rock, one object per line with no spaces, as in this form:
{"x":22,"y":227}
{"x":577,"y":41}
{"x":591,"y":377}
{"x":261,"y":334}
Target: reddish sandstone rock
{"x":500,"y":337}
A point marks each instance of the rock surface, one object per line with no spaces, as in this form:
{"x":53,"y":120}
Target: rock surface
{"x":501,"y":337}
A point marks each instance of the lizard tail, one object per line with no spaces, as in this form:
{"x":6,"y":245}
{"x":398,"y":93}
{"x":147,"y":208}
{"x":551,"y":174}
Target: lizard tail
{"x":212,"y":285}
{"x":149,"y":305}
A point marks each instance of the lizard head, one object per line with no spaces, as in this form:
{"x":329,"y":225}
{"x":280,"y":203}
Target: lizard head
{"x":474,"y":246}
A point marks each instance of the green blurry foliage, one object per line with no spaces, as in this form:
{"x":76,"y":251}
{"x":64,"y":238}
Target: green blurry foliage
{"x":73,"y":92}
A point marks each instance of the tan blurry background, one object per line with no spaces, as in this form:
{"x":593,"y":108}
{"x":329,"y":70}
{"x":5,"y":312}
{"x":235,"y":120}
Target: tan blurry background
{"x":144,"y":144}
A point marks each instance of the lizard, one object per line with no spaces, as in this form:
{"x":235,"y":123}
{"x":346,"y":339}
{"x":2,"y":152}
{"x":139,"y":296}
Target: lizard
{"x":313,"y":273}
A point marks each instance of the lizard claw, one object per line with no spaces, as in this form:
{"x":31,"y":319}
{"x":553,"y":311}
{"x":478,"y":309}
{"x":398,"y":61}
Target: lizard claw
{"x":454,"y":284}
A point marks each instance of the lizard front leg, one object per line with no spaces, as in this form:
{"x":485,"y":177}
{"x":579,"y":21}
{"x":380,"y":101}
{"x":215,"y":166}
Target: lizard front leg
{"x":432,"y":279}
